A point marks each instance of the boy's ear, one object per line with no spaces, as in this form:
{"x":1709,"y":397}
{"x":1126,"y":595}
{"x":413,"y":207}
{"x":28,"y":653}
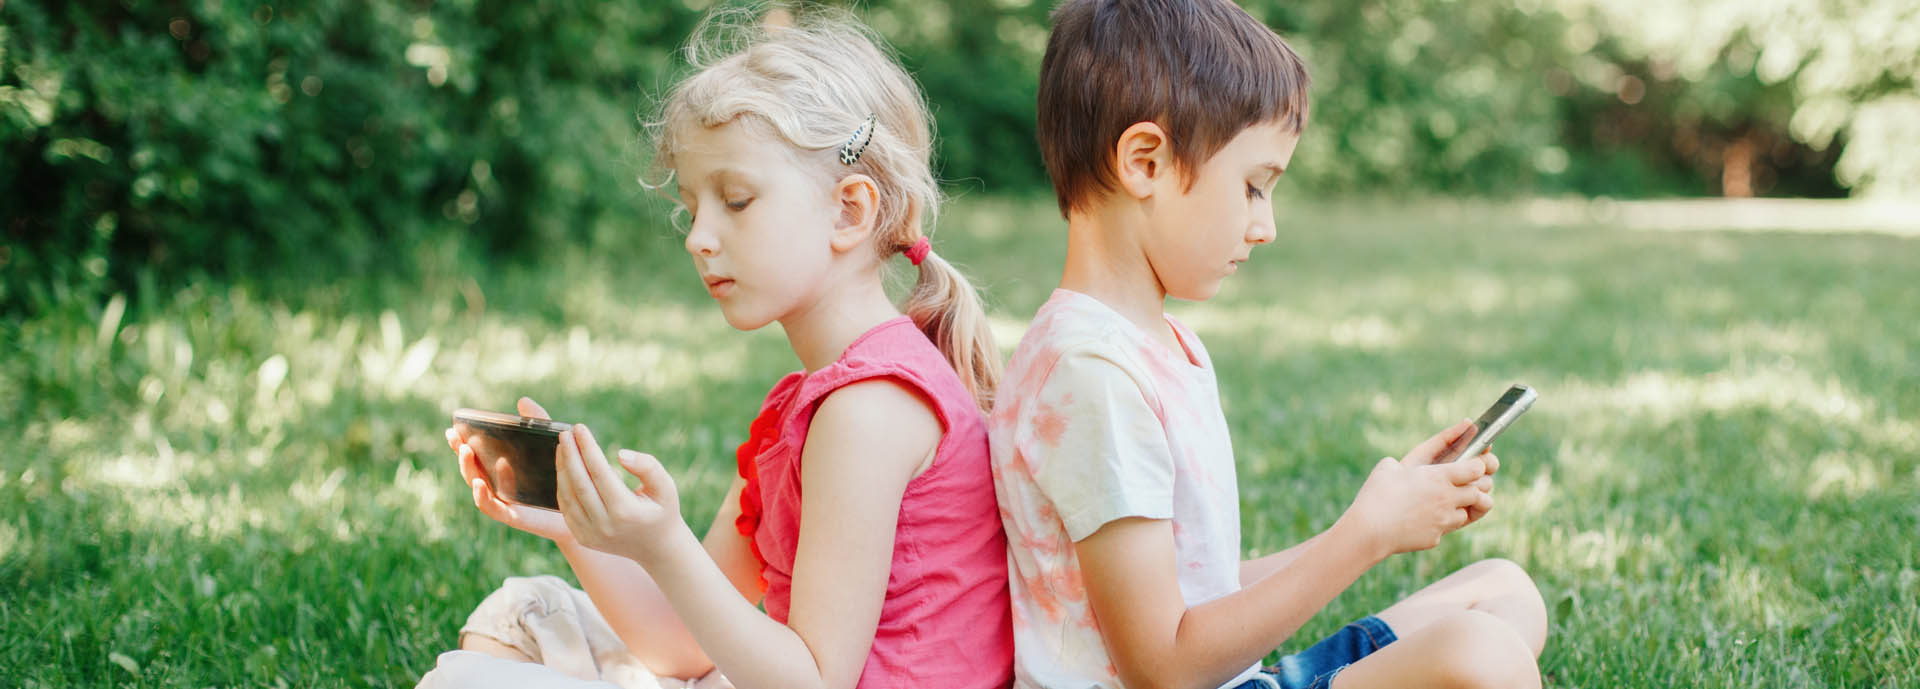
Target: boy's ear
{"x":858,"y":198}
{"x":1142,"y":156}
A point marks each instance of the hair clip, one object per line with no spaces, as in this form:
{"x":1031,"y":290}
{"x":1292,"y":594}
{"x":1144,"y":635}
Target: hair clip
{"x":857,"y":144}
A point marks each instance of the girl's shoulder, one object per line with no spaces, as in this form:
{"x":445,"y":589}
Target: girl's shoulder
{"x":896,"y":351}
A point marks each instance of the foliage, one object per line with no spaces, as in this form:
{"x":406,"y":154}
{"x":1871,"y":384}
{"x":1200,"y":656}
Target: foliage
{"x":1716,"y":489}
{"x":235,"y":139}
{"x":219,"y":137}
{"x":1830,"y":70}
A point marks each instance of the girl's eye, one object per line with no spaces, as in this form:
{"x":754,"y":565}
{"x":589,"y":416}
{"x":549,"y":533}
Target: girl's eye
{"x":1255,"y":193}
{"x":737,"y":206}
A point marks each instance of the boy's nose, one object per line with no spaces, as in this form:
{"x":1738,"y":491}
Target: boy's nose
{"x":1261,"y":232}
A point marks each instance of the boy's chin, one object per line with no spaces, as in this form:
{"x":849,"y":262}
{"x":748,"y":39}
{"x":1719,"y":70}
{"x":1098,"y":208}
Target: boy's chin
{"x":1199,"y":291}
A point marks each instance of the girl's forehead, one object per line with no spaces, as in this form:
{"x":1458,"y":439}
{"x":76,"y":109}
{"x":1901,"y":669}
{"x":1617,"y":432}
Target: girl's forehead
{"x":730,"y":151}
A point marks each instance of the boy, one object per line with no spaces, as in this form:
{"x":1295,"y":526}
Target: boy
{"x":1164,"y":125}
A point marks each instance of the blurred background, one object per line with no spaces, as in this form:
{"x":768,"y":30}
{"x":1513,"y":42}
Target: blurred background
{"x":252,"y":253}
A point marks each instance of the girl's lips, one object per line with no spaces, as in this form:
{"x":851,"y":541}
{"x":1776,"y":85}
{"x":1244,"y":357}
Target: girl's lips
{"x":719,"y":288}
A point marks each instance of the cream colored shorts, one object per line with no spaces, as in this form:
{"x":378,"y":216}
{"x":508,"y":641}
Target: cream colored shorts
{"x":557,"y":626}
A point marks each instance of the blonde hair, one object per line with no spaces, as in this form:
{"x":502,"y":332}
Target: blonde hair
{"x":813,"y":78}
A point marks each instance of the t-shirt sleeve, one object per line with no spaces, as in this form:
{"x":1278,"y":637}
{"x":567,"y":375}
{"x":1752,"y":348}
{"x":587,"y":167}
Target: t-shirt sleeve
{"x":1094,"y":444}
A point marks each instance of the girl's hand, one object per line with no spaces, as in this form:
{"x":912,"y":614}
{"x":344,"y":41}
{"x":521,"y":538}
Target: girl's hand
{"x":1408,"y":504}
{"x":543,"y":523}
{"x":601,"y":512}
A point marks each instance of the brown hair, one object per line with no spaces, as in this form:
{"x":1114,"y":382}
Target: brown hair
{"x":1204,"y":70}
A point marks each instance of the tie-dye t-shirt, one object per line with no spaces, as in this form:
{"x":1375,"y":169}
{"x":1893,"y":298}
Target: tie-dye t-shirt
{"x":1096,"y":421}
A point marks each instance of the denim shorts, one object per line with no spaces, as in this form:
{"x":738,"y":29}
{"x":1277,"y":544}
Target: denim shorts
{"x":1315,"y":667}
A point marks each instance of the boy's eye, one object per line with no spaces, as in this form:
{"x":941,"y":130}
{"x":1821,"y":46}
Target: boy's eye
{"x":1255,"y":193}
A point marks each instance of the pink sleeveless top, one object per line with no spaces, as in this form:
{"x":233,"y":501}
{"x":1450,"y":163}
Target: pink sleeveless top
{"x":947,"y":620}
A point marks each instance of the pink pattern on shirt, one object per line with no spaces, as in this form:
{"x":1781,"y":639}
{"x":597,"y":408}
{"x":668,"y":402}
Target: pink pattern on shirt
{"x":1096,"y":420}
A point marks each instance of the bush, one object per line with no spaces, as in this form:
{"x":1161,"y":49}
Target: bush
{"x":213,"y":138}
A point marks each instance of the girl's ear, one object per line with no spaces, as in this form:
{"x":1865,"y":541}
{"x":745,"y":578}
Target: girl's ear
{"x":858,"y":199}
{"x":1142,"y":156}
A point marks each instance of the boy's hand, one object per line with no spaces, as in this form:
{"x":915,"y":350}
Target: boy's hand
{"x":1408,"y":504}
{"x":601,"y":512}
{"x":543,"y":523}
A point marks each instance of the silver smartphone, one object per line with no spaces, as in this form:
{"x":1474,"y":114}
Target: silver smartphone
{"x":1497,"y":418}
{"x":517,"y":453}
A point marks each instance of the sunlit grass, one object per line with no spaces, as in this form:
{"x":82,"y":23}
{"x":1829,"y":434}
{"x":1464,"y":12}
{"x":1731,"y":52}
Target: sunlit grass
{"x":246,"y":484}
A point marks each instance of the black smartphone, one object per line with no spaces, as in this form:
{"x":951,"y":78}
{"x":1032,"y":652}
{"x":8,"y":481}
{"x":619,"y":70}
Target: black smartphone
{"x":1517,"y":400}
{"x":517,"y":453}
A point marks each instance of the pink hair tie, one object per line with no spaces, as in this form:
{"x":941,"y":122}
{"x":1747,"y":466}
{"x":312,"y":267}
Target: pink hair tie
{"x":918,"y":252}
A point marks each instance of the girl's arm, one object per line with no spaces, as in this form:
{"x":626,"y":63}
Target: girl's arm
{"x":639,"y":612}
{"x":865,"y":443}
{"x":620,"y":589}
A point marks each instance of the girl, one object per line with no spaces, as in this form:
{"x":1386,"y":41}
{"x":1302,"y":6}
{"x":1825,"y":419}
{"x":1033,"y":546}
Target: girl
{"x":864,"y":518}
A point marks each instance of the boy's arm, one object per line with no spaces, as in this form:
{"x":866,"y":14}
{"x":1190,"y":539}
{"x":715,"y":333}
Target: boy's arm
{"x":1157,"y":642}
{"x":1255,"y":569}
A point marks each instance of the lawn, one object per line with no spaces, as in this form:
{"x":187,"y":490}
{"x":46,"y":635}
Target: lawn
{"x":245,"y":484}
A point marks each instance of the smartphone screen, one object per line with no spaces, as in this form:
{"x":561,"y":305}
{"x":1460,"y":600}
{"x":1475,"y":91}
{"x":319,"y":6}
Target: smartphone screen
{"x":1516,"y":401}
{"x":517,"y":454}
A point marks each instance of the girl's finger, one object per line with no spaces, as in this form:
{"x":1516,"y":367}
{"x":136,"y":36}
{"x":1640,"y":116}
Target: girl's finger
{"x":652,"y":474}
{"x":468,"y":467}
{"x":532,"y":409}
{"x":453,"y":438}
{"x":612,"y":491}
{"x":571,"y":473}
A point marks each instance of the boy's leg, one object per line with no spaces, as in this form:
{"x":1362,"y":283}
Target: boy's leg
{"x":1496,"y":587}
{"x":1466,"y":649}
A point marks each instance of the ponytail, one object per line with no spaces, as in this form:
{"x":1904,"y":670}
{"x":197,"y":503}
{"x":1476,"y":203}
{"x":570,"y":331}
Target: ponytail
{"x":945,"y":307}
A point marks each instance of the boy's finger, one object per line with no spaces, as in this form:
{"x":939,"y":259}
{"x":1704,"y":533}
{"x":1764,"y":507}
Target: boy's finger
{"x":1464,"y":472}
{"x":1484,"y":484}
{"x":1435,"y":447}
{"x":1493,"y":462}
{"x":1466,"y":496}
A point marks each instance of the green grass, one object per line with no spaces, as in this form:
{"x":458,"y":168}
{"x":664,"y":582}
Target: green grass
{"x":246,"y":485}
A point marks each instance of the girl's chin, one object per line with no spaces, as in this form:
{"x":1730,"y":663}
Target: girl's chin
{"x":742,"y":321}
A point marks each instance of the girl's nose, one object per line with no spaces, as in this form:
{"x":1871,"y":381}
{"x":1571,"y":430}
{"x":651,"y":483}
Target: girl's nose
{"x":701,"y":241}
